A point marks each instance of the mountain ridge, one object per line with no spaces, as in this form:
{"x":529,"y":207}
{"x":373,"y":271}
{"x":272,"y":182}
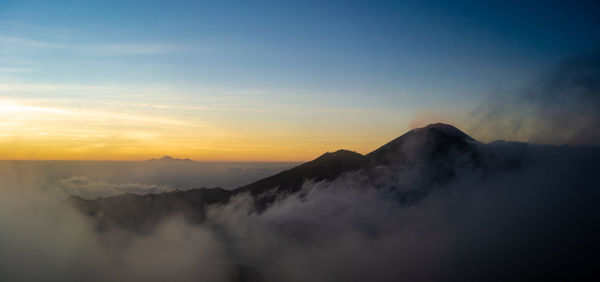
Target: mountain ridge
{"x":433,"y":145}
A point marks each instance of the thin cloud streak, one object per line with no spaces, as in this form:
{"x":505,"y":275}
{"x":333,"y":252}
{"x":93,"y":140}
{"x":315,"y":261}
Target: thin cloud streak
{"x":112,"y":48}
{"x":26,"y":42}
{"x":16,"y":108}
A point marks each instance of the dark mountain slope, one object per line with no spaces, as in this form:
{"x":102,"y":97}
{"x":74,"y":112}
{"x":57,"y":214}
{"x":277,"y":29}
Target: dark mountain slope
{"x":326,"y":167}
{"x":435,"y":152}
{"x":422,"y":144}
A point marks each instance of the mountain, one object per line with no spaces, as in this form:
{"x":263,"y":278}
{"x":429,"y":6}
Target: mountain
{"x":169,"y":159}
{"x":428,"y":143}
{"x":326,"y":167}
{"x":433,"y":143}
{"x":434,"y":195}
{"x":434,"y":152}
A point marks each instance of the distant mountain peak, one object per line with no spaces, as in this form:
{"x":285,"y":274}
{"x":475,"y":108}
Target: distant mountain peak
{"x":340,"y":154}
{"x":170,"y":159}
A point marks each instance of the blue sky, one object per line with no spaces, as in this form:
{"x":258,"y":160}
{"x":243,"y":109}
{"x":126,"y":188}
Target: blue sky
{"x":276,"y":70}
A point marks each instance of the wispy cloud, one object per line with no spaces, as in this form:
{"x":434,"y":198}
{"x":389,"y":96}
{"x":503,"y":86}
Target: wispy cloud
{"x":113,"y":48}
{"x":11,"y":70}
{"x":16,"y":108}
{"x":11,"y":107}
{"x":131,"y":48}
{"x":32,"y":87}
{"x":27,"y":42}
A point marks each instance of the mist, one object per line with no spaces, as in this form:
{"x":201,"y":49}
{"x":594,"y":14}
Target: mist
{"x":92,"y":179}
{"x":530,"y":223}
{"x":561,"y":107}
{"x":529,"y":212}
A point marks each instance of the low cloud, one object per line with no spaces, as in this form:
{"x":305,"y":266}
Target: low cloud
{"x":531,"y":220}
{"x":89,"y":189}
{"x":52,"y":243}
{"x":526,"y":213}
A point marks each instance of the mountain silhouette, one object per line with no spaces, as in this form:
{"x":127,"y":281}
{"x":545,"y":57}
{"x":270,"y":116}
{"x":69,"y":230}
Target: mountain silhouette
{"x":435,"y":142}
{"x":433,"y":150}
{"x":169,"y":159}
{"x":326,"y":167}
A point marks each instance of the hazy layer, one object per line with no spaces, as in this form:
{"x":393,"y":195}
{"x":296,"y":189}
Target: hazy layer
{"x":91,"y":179}
{"x":532,"y":215}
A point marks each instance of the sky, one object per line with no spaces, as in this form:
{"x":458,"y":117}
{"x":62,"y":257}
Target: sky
{"x":263,"y":80}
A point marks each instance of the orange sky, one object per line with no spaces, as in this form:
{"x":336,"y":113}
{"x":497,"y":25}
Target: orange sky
{"x":70,"y":130}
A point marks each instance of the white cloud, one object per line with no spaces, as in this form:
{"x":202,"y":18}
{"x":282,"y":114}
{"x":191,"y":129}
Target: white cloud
{"x":87,"y":188}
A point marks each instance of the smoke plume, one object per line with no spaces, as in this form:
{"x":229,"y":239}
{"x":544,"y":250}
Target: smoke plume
{"x":562,"y":107}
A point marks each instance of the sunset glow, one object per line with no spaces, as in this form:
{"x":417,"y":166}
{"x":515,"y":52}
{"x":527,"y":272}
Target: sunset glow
{"x":261,"y":87}
{"x":307,"y":140}
{"x":101,"y":130}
